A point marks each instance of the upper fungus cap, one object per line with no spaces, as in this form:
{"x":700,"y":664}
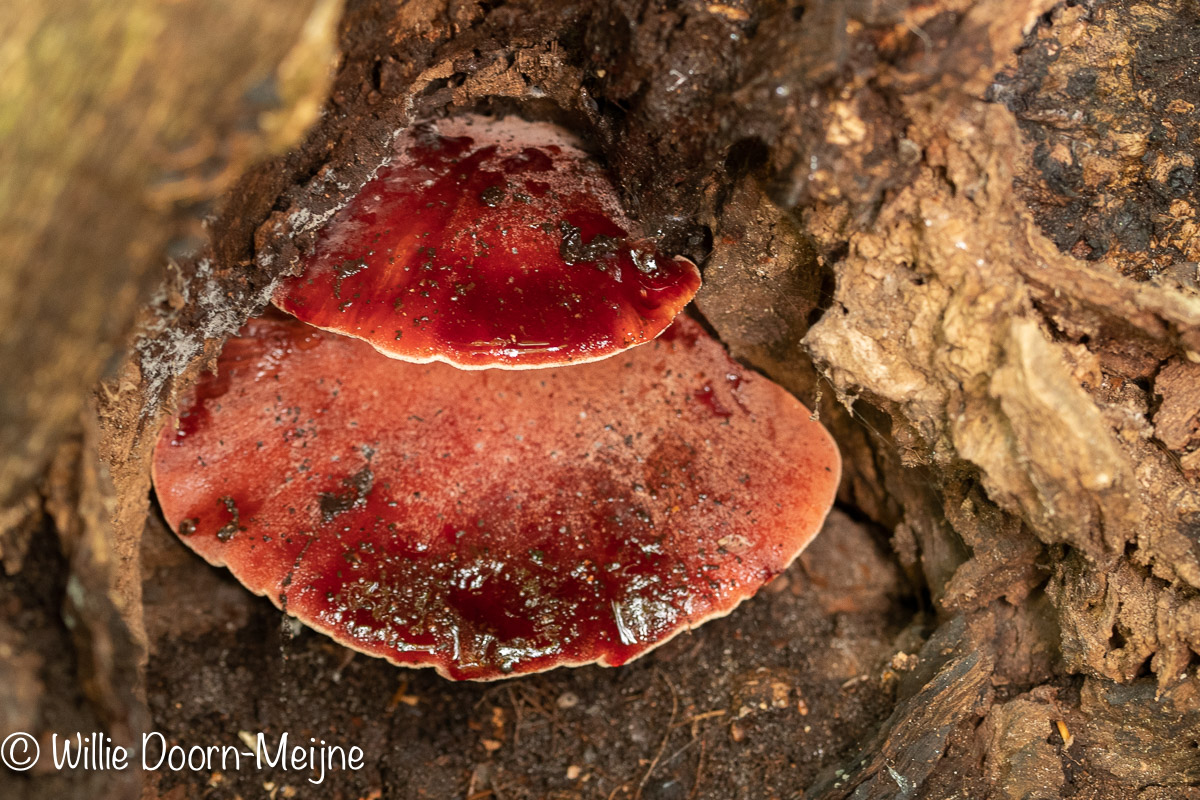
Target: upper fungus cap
{"x":489,"y":243}
{"x":494,"y":523}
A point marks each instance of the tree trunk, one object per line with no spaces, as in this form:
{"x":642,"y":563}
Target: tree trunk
{"x":965,"y":232}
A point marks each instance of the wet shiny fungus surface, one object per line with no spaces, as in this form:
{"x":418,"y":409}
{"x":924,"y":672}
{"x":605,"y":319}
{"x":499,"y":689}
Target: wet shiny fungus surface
{"x":489,"y":243}
{"x":499,"y":522}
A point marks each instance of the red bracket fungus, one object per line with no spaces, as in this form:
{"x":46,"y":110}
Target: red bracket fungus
{"x":500,"y":522}
{"x":497,"y":522}
{"x":489,"y":243}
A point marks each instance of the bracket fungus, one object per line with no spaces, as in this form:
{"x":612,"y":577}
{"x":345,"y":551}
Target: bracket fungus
{"x":489,"y":243}
{"x":499,"y":522}
{"x":491,"y":522}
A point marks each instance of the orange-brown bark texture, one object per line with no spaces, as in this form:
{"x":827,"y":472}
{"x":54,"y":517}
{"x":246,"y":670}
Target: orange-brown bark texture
{"x":964,"y":231}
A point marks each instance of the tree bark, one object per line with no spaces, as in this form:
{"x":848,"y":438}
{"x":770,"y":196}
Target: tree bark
{"x":964,"y":232}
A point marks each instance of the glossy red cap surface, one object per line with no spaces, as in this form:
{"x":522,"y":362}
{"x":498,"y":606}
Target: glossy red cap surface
{"x":494,"y":523}
{"x":489,"y":243}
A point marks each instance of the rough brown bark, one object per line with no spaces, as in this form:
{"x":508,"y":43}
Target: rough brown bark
{"x":960,"y":229}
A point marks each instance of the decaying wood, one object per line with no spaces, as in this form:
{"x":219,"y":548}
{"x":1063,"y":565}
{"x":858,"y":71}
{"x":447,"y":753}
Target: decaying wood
{"x":116,"y":120}
{"x":960,"y":230}
{"x":121,"y":125}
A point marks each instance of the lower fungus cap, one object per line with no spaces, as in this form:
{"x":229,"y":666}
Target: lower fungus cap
{"x":489,"y":243}
{"x":494,"y":523}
